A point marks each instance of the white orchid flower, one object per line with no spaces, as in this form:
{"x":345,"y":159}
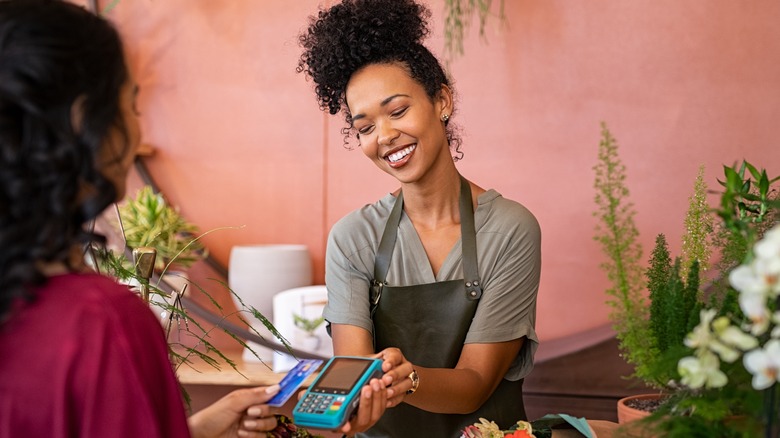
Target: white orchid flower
{"x":776,"y":321}
{"x":701,"y":371}
{"x":754,"y":307}
{"x":764,"y":364}
{"x":701,"y":336}
{"x":748,"y":280}
{"x":769,"y":271}
{"x":726,"y":353}
{"x":769,"y":246}
{"x":735,"y":337}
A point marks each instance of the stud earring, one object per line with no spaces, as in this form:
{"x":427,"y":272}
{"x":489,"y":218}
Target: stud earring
{"x":445,"y":117}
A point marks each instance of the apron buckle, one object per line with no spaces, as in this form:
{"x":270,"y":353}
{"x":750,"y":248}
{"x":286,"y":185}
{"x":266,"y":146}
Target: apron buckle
{"x":376,"y":291}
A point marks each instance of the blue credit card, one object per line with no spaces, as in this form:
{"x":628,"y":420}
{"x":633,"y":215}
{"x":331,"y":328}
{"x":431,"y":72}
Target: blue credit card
{"x":293,"y":380}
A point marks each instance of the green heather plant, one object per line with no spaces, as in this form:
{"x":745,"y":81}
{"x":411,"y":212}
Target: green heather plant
{"x":696,"y":242}
{"x":618,"y":234}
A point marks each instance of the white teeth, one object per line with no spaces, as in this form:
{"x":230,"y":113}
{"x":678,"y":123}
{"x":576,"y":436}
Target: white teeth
{"x":402,"y":153}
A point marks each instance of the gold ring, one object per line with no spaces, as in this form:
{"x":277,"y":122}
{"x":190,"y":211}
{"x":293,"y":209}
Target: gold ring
{"x":415,"y":382}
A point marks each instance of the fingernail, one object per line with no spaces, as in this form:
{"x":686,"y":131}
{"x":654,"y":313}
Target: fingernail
{"x":273,"y":389}
{"x":250,"y":424}
{"x":243,"y":433}
{"x":254,"y":412}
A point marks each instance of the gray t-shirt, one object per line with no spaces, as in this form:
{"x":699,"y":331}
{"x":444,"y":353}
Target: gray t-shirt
{"x":508,"y":255}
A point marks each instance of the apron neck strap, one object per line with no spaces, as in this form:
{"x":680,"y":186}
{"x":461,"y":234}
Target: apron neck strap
{"x":468,"y":237}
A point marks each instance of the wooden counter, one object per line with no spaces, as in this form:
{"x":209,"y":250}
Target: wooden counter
{"x":246,"y":374}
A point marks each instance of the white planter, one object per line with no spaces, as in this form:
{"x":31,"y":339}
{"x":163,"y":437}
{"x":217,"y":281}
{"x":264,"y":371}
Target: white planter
{"x":258,"y":272}
{"x":310,"y":343}
{"x":309,"y":302}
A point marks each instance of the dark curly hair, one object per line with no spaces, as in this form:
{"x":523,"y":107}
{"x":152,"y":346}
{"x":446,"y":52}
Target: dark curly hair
{"x":354,"y":33}
{"x":52,"y":54}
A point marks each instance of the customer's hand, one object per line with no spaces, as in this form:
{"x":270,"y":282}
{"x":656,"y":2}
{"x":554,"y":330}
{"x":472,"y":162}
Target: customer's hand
{"x":241,"y":413}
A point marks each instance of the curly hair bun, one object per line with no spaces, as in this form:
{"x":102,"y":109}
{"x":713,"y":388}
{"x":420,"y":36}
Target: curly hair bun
{"x":354,"y":33}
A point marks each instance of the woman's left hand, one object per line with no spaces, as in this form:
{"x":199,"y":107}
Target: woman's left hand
{"x":241,"y":413}
{"x":397,"y":371}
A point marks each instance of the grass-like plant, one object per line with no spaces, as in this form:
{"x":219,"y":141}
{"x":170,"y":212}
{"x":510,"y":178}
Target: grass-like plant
{"x":457,"y":18}
{"x":148,"y":221}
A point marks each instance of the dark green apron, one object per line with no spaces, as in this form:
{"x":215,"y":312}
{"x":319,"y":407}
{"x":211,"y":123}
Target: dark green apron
{"x":429,"y":323}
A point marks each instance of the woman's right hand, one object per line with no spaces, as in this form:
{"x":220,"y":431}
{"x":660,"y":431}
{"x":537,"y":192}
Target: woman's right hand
{"x":373,"y":402}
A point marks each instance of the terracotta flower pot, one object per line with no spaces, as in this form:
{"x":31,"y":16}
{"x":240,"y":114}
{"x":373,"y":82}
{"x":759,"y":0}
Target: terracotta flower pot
{"x":626,"y":413}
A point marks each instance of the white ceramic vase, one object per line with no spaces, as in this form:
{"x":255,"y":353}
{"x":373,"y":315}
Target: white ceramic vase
{"x":258,"y":272}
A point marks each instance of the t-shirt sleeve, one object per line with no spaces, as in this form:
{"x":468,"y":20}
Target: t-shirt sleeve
{"x":348,"y":261}
{"x":123,"y":384}
{"x":512,"y":266}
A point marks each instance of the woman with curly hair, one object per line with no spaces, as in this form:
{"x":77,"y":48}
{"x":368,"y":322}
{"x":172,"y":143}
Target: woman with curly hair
{"x":440,"y":277}
{"x":80,"y":355}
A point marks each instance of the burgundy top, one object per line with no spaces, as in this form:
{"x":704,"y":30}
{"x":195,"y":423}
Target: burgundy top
{"x":87,"y":358}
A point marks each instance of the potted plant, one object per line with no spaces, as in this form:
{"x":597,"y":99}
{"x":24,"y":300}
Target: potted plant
{"x":187,"y":338}
{"x":728,"y":378}
{"x":685,"y":337}
{"x":309,"y":325}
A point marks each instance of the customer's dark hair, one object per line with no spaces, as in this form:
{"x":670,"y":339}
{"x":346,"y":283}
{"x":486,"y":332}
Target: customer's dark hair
{"x":53,"y":55}
{"x":355,"y":33}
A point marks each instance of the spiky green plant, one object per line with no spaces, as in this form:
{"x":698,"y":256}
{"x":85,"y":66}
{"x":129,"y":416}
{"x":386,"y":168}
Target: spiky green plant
{"x":148,"y":220}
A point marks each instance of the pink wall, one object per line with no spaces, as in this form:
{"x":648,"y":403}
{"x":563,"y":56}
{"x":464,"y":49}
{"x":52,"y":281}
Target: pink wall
{"x":240,"y":140}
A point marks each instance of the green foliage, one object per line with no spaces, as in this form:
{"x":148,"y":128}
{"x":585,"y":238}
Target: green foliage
{"x":748,"y":207}
{"x":457,"y":17}
{"x":617,"y":235}
{"x":674,"y":311}
{"x":306,"y":324}
{"x":658,"y":275}
{"x":148,"y":221}
{"x":187,"y":338}
{"x":711,"y":412}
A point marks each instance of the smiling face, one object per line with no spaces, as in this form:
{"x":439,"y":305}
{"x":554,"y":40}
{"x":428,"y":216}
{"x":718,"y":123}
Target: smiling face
{"x":399,"y":126}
